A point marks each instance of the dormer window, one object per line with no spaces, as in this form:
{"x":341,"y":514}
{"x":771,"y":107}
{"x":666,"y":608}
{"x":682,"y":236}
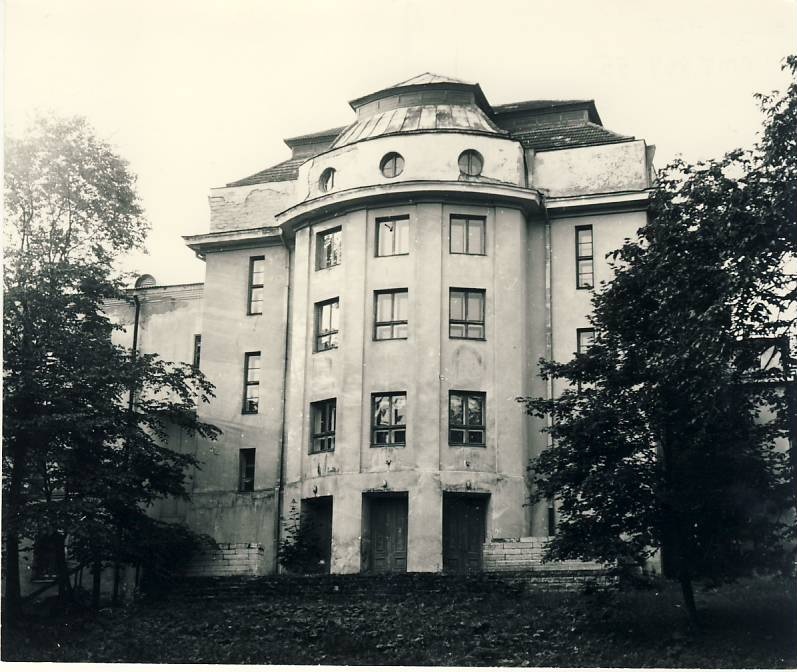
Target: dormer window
{"x":392,"y":164}
{"x":327,"y":180}
{"x":471,"y":163}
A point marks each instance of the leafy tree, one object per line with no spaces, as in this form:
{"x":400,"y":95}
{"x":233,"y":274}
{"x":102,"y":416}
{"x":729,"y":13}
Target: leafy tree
{"x":662,"y":438}
{"x":80,"y":460}
{"x":299,"y":549}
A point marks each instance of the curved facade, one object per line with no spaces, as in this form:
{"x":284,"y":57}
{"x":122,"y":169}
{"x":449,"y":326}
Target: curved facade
{"x":374,"y":305}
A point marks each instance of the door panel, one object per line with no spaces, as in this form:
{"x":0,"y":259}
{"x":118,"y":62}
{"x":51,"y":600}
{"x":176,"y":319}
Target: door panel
{"x":388,"y":551}
{"x":463,"y":533}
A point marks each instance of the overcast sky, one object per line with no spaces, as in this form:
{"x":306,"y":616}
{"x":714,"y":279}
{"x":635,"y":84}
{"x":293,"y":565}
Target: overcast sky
{"x":197,"y":93}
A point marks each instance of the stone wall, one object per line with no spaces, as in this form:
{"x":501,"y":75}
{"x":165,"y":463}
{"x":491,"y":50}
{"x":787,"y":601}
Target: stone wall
{"x":525,"y":554}
{"x":229,"y":560}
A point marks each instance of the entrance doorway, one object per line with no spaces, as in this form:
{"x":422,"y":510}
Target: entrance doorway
{"x":464,"y":517}
{"x":317,"y":525}
{"x":385,"y":523}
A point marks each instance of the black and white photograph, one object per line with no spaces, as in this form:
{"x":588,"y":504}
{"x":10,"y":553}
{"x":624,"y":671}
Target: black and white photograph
{"x":400,"y":333}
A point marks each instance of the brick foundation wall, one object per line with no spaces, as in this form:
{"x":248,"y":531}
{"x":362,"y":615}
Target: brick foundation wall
{"x":525,"y":555}
{"x":242,"y":559}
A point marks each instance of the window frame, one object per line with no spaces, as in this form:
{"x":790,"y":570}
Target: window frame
{"x":326,"y":181}
{"x":390,"y":429}
{"x":197,"y":359}
{"x":388,"y":159}
{"x":579,"y":257}
{"x":327,"y":438}
{"x":318,"y":335}
{"x":466,"y":427}
{"x":246,"y":480}
{"x":392,"y":218}
{"x":468,"y":219}
{"x":253,"y":285}
{"x":320,"y":258}
{"x":392,"y":323}
{"x":468,"y":155}
{"x":466,"y":322}
{"x":245,"y":410}
{"x":581,"y":332}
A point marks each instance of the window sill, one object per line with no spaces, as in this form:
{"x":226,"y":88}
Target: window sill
{"x":250,"y":412}
{"x":464,"y":338}
{"x":398,"y":254}
{"x":397,"y":338}
{"x":326,"y":268}
{"x":467,"y":445}
{"x":388,"y":445}
{"x":315,"y":352}
{"x":469,"y":254}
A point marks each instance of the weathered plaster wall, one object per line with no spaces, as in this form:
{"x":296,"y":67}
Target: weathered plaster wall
{"x":233,"y":208}
{"x":357,"y":165}
{"x":595,"y":169}
{"x":227,"y":334}
{"x":426,"y":365}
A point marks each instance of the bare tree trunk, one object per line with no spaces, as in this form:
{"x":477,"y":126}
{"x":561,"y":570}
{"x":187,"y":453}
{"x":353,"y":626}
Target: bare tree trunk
{"x":96,"y":570}
{"x":689,"y":597}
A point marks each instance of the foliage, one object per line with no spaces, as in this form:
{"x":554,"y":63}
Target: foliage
{"x":453,"y":622}
{"x":299,"y":551}
{"x":81,"y":459}
{"x":661,"y":437}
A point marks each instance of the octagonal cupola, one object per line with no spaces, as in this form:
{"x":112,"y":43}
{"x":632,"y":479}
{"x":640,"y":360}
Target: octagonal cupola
{"x":426,"y":103}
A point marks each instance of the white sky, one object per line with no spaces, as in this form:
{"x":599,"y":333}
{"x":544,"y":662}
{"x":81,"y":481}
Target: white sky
{"x":197,"y":93}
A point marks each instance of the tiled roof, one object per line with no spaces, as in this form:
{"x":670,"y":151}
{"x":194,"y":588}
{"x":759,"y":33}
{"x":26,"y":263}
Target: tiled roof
{"x":568,"y":135}
{"x":282,"y":172}
{"x":429,"y":78}
{"x":419,"y":118}
{"x":524,"y":105}
{"x":310,"y":138}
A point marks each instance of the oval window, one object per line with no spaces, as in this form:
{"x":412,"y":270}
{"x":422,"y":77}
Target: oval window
{"x":392,"y":164}
{"x":471,"y":163}
{"x":327,"y":180}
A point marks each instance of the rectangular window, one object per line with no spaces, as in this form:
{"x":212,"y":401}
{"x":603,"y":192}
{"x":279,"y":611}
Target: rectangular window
{"x":466,"y":419}
{"x":257,"y":272}
{"x":197,"y":349}
{"x":467,"y":235}
{"x":246,"y":470}
{"x":584,"y":338}
{"x":389,"y":425}
{"x":251,"y":382}
{"x":392,"y":236}
{"x":326,"y":325}
{"x":390,"y":314}
{"x":466,"y":313}
{"x":584,"y":268}
{"x":328,"y":249}
{"x":322,"y":415}
{"x":44,"y":566}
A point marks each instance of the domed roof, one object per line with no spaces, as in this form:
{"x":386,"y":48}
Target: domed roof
{"x":427,"y":102}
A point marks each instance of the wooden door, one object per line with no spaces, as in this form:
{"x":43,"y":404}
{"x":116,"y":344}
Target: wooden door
{"x":388,"y":551}
{"x":463,"y":533}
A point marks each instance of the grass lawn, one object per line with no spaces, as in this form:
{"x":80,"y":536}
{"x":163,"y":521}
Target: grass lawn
{"x":750,"y":624}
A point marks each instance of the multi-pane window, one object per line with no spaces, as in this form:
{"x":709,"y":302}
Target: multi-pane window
{"x":326,"y":325}
{"x":390,"y":321}
{"x":392,"y":164}
{"x":257,"y":272}
{"x":197,"y":349}
{"x":328,"y":249}
{"x":251,"y":382}
{"x":322,"y":415}
{"x":467,"y":235}
{"x":389,"y":419}
{"x":246,"y":470}
{"x":584,"y":265}
{"x":584,"y":338}
{"x":466,"y":313}
{"x":466,"y":418}
{"x":392,"y":236}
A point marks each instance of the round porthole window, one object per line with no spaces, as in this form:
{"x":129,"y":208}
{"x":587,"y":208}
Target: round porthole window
{"x":327,"y":180}
{"x":471,"y":163}
{"x":392,"y":164}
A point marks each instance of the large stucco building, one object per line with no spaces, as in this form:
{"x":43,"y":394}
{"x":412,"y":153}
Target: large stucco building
{"x":372,"y":307}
